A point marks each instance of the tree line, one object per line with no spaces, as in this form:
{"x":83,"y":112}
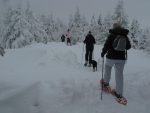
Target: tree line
{"x":21,"y":27}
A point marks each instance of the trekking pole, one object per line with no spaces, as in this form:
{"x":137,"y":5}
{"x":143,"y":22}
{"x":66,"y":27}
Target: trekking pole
{"x":93,"y":54}
{"x":102,"y":78}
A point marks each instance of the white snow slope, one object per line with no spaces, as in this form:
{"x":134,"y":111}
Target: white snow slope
{"x":52,"y":79}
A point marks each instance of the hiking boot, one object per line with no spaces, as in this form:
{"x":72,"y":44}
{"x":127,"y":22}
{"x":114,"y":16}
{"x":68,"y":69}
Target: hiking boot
{"x":119,"y":98}
{"x":115,"y":93}
{"x":105,"y":86}
{"x":85,"y":64}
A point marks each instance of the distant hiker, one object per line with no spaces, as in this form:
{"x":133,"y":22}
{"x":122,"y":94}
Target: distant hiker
{"x":116,"y":58}
{"x":89,"y":41}
{"x":68,"y":36}
{"x":2,"y":52}
{"x":63,"y":38}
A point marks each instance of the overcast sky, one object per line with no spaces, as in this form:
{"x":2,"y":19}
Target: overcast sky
{"x":63,"y":8}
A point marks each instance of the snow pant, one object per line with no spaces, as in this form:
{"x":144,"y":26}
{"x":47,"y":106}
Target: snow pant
{"x":68,"y":41}
{"x":62,"y":40}
{"x":88,"y":54}
{"x":119,"y":67}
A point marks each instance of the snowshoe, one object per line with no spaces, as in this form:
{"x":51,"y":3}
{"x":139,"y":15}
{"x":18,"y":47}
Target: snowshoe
{"x":120,"y":99}
{"x":105,"y":87}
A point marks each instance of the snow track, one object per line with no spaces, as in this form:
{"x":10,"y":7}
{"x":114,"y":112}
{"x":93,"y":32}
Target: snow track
{"x":51,"y":79}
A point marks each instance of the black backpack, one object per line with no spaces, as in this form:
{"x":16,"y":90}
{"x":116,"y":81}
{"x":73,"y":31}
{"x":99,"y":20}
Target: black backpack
{"x":119,"y":43}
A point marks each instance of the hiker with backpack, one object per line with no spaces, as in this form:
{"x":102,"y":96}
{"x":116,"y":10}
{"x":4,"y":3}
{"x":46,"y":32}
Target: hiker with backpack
{"x":115,"y":48}
{"x":89,"y":41}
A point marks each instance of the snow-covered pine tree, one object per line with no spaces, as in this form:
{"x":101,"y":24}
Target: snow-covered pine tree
{"x":135,"y":33}
{"x":100,"y":31}
{"x":100,"y":21}
{"x":1,"y":29}
{"x":58,"y":30}
{"x":53,"y":28}
{"x":84,"y":28}
{"x":16,"y":32}
{"x":94,"y":27}
{"x":36,"y":27}
{"x":78,"y":26}
{"x":147,"y":40}
{"x":144,"y":40}
{"x":107,"y":24}
{"x":47,"y":26}
{"x":22,"y":28}
{"x":120,"y":15}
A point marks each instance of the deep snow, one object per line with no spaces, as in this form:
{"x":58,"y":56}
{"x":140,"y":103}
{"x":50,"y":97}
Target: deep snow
{"x":52,"y":79}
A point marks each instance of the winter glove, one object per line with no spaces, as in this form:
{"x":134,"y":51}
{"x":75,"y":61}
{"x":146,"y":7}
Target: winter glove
{"x":102,"y":55}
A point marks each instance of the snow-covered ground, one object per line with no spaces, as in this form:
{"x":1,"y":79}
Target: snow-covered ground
{"x":52,"y":79}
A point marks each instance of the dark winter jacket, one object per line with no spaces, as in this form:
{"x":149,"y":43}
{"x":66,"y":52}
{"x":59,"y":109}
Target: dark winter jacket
{"x":89,"y":41}
{"x":108,"y":49}
{"x":63,"y":38}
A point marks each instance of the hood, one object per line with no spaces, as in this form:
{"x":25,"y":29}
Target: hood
{"x":120,"y":31}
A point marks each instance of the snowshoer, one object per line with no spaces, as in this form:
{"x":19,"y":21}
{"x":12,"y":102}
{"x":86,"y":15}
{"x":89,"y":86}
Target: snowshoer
{"x":89,"y":41}
{"x":117,"y":59}
{"x":68,"y":36}
{"x":63,"y":38}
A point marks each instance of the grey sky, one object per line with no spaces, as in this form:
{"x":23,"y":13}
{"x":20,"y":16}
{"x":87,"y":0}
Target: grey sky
{"x":63,"y":8}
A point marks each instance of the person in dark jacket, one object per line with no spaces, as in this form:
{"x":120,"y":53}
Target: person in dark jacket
{"x":89,"y":41}
{"x":63,"y":38}
{"x":116,"y":59}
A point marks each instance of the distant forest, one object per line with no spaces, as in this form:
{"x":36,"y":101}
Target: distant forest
{"x":21,"y":27}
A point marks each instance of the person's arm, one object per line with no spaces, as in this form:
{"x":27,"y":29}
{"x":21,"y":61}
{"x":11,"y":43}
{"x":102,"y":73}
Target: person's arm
{"x":128,"y":46}
{"x":85,"y":40}
{"x":107,"y":45}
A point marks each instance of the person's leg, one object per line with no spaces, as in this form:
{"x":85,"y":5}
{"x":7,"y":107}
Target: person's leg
{"x":86,"y":55}
{"x":90,"y":54}
{"x":108,"y":67}
{"x":67,"y":41}
{"x":119,"y":67}
{"x":107,"y":75}
{"x":90,"y":57}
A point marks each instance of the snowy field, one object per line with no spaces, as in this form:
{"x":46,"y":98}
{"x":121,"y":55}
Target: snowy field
{"x":52,"y":79}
